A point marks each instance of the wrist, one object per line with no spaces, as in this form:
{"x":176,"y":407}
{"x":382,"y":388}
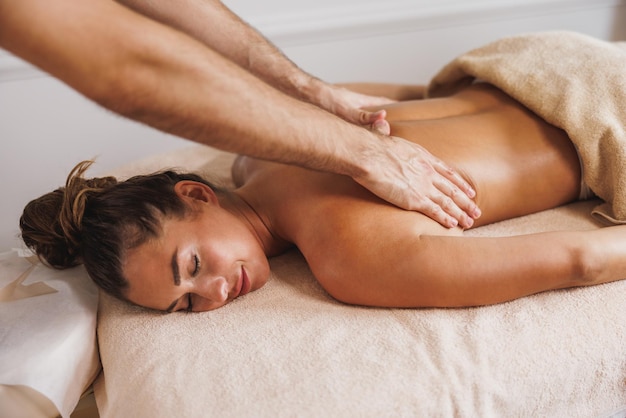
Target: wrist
{"x":310,"y":89}
{"x":339,"y":146}
{"x":359,"y":156}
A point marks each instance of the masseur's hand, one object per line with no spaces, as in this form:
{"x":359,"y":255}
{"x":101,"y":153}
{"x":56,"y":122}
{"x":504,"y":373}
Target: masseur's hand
{"x":407,"y":175}
{"x":348,"y":105}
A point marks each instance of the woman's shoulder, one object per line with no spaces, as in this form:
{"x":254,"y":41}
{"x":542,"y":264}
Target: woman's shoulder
{"x":244,"y":168}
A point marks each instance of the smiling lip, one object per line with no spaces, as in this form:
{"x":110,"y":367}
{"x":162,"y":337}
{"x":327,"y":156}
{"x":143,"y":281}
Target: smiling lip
{"x":245,"y":282}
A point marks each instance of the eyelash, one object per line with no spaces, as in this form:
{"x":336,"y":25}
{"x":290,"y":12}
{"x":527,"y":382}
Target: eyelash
{"x":196,"y":269}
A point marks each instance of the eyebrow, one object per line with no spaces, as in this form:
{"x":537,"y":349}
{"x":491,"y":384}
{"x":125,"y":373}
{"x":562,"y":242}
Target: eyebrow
{"x":176,"y":275}
{"x":175,"y":271}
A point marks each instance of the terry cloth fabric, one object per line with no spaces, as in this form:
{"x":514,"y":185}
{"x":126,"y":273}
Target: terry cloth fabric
{"x":290,"y":350}
{"x":572,"y":81}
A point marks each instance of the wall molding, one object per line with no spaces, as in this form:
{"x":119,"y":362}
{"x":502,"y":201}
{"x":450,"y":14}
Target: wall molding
{"x":370,"y":18}
{"x":377,"y":17}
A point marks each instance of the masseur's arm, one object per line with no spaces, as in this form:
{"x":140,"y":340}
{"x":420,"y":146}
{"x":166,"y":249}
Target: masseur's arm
{"x":212,"y":23}
{"x":160,"y":76}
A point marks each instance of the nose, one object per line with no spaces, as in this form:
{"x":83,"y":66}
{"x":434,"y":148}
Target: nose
{"x":215,"y":289}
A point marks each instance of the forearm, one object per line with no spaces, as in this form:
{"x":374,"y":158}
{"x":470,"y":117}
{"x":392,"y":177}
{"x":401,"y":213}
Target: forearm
{"x":212,"y":23}
{"x":157,"y":75}
{"x":206,"y":98}
{"x":161,"y":76}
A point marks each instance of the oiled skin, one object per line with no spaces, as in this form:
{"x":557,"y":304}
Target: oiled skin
{"x":365,"y":251}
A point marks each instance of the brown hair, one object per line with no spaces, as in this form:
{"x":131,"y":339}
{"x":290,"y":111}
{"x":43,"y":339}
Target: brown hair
{"x":96,"y":221}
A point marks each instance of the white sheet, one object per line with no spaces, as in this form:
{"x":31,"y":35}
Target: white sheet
{"x":48,"y":342}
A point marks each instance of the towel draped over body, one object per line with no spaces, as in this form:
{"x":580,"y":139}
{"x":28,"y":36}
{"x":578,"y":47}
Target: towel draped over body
{"x":572,"y":81}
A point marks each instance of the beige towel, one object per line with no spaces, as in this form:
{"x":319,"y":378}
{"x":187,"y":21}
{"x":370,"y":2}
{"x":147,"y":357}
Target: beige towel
{"x":574,"y":82}
{"x":290,"y":350}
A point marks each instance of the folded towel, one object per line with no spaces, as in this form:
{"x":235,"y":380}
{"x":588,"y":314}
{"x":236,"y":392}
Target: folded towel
{"x":572,"y":81}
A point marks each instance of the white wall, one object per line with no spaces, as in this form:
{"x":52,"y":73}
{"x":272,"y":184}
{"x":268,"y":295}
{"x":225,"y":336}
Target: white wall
{"x":408,"y":41}
{"x":46,"y":128}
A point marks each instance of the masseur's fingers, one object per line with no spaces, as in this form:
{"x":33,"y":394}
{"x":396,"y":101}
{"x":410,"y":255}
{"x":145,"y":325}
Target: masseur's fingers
{"x":455,"y":203}
{"x":369,"y":118}
{"x":365,"y":117}
{"x":454,"y":188}
{"x":407,"y":175}
{"x":381,"y":126}
{"x":350,"y":105}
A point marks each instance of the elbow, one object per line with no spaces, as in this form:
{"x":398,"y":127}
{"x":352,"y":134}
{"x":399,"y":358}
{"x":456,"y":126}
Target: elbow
{"x":361,"y":290}
{"x":340,"y":286}
{"x":350,"y":298}
{"x":341,"y":293}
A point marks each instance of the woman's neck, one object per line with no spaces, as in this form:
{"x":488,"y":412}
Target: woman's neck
{"x":259,"y":225}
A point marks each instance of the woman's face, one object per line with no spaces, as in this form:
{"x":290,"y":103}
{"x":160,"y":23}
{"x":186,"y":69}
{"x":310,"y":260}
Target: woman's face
{"x":198,"y":263}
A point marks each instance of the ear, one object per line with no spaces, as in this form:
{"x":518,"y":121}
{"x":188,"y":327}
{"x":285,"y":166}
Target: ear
{"x":195,"y":192}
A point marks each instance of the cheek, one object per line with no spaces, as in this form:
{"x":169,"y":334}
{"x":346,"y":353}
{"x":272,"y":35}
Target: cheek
{"x":258,"y":264}
{"x":259,"y":276}
{"x":264,"y":272}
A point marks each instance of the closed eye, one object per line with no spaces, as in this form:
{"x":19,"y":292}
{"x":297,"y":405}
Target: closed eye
{"x":194,"y":273}
{"x":196,"y":266}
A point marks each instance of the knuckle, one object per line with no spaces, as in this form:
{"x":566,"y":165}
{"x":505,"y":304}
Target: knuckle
{"x":447,"y":204}
{"x":436,"y":210}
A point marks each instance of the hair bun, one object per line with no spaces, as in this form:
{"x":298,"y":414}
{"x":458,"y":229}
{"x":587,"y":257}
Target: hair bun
{"x":51,"y":224}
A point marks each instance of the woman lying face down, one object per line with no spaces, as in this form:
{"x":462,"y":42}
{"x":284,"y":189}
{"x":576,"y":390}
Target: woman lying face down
{"x":174,"y":242}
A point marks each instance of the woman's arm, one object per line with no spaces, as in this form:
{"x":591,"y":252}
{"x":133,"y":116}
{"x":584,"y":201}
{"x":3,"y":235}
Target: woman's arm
{"x":390,"y":266}
{"x":438,"y":271}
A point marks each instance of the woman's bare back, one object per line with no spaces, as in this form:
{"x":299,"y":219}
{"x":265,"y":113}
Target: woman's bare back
{"x":517,"y":163}
{"x":365,"y":251}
